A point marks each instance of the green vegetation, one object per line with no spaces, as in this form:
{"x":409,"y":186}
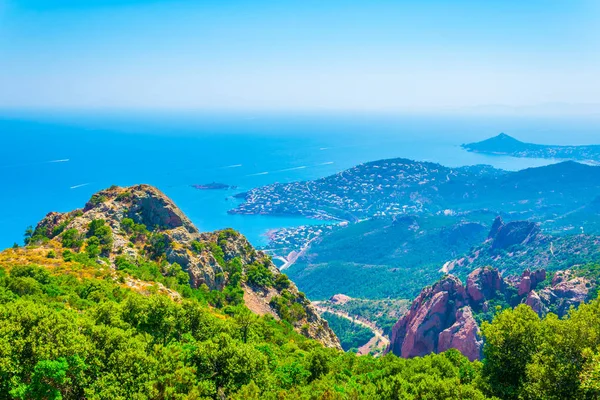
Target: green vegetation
{"x":100,"y":239}
{"x":351,"y":335}
{"x":67,"y":338}
{"x":529,"y":358}
{"x":84,"y":334}
{"x":259,"y":274}
{"x":138,"y":232}
{"x":34,"y":236}
{"x":385,"y":257}
{"x":72,"y":239}
{"x":383,"y":313}
{"x":198,"y":247}
{"x":288,"y":307}
{"x":97,"y":199}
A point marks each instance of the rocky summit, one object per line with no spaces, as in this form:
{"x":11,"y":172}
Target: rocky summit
{"x":140,"y":222}
{"x":446,"y":314}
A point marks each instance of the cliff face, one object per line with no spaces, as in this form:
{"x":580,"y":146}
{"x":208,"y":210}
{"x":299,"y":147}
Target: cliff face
{"x":443,"y":315}
{"x":438,"y":319}
{"x":146,"y":224}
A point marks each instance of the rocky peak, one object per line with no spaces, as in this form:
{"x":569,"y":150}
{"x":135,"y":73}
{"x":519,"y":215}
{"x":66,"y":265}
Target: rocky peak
{"x":496,"y":226}
{"x":145,"y":224}
{"x":144,"y":204}
{"x":517,"y":232}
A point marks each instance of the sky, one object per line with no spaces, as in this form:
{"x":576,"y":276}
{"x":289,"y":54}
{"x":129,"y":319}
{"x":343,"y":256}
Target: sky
{"x":534,"y":56}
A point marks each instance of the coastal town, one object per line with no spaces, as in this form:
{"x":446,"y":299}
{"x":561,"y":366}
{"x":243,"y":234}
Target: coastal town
{"x":287,"y":244}
{"x":380,"y":188}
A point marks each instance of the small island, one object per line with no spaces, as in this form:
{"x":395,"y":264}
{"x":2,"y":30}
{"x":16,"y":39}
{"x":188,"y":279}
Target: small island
{"x":506,"y":145}
{"x":213,"y":186}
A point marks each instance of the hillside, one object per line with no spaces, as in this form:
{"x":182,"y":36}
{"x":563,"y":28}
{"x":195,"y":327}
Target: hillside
{"x":504,"y":144}
{"x":519,"y":245}
{"x":77,"y":329}
{"x":396,"y":254}
{"x":97,"y":305}
{"x":138,"y":230}
{"x":385,"y":257}
{"x":379,"y":188}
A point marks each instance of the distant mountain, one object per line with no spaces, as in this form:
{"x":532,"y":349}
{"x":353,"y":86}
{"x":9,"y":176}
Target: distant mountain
{"x":504,"y":144}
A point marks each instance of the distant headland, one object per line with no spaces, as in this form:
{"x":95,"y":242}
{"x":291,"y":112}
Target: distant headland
{"x":504,"y":144}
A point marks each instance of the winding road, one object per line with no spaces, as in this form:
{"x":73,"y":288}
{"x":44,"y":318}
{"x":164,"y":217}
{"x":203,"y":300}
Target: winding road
{"x":380,"y":341}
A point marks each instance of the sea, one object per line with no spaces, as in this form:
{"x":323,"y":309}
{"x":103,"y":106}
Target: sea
{"x":55,"y":161}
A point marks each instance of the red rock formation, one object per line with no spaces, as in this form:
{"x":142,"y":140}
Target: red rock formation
{"x":463,"y":335}
{"x":530,"y":280}
{"x":566,"y":291}
{"x":535,"y":302}
{"x":340,"y":299}
{"x":441,"y":317}
{"x":442,"y":307}
{"x":483,"y":283}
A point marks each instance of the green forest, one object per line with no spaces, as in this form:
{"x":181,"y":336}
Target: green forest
{"x":73,"y":336}
{"x":351,"y":335}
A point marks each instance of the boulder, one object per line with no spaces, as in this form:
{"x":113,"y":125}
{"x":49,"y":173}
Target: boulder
{"x":529,"y":281}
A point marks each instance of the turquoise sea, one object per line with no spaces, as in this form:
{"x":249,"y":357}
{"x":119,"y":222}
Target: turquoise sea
{"x":56,"y":161}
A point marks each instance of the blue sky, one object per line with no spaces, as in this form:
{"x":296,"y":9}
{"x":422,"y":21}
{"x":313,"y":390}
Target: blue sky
{"x":398,"y":56}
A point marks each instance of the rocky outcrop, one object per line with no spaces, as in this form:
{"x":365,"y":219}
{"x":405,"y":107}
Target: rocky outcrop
{"x":504,"y":236}
{"x":443,"y":315}
{"x":340,"y":299}
{"x":496,"y":226}
{"x":566,"y":291}
{"x":534,"y":301}
{"x":435,"y":316}
{"x":161,"y":231}
{"x":484,"y":284}
{"x":463,"y":335}
{"x":529,"y":281}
